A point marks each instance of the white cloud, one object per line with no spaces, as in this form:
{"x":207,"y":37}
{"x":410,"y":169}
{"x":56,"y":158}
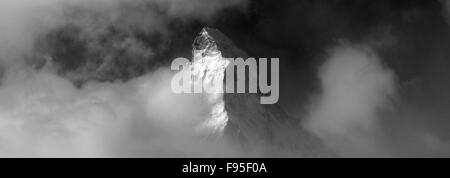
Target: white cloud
{"x":355,"y":85}
{"x":42,"y":114}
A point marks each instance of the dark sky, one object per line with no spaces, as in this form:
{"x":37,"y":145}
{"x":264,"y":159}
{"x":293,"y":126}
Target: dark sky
{"x":412,"y":35}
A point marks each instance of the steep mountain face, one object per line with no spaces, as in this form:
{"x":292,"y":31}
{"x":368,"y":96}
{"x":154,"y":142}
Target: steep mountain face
{"x":240,"y":118}
{"x":208,"y":68}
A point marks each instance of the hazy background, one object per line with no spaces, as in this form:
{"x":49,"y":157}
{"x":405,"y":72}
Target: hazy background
{"x":91,"y":77}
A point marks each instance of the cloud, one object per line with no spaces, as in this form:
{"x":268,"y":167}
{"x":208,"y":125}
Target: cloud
{"x":20,"y":23}
{"x":355,"y":86}
{"x":201,"y":9}
{"x":98,"y":34}
{"x":42,"y":112}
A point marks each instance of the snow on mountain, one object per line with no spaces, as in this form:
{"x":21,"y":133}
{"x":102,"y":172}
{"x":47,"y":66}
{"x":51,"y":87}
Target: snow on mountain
{"x":240,"y":118}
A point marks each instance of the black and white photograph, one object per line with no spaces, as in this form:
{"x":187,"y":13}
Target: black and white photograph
{"x":224,"y":79}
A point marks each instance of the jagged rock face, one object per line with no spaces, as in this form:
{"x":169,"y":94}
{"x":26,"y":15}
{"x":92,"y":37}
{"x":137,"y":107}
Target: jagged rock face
{"x":208,"y":67}
{"x":212,"y":40}
{"x":240,"y":117}
{"x":205,"y":43}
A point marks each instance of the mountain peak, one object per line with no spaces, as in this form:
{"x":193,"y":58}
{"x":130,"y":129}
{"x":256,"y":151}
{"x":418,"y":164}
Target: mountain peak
{"x":240,"y":117}
{"x":211,"y":41}
{"x":205,"y":43}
